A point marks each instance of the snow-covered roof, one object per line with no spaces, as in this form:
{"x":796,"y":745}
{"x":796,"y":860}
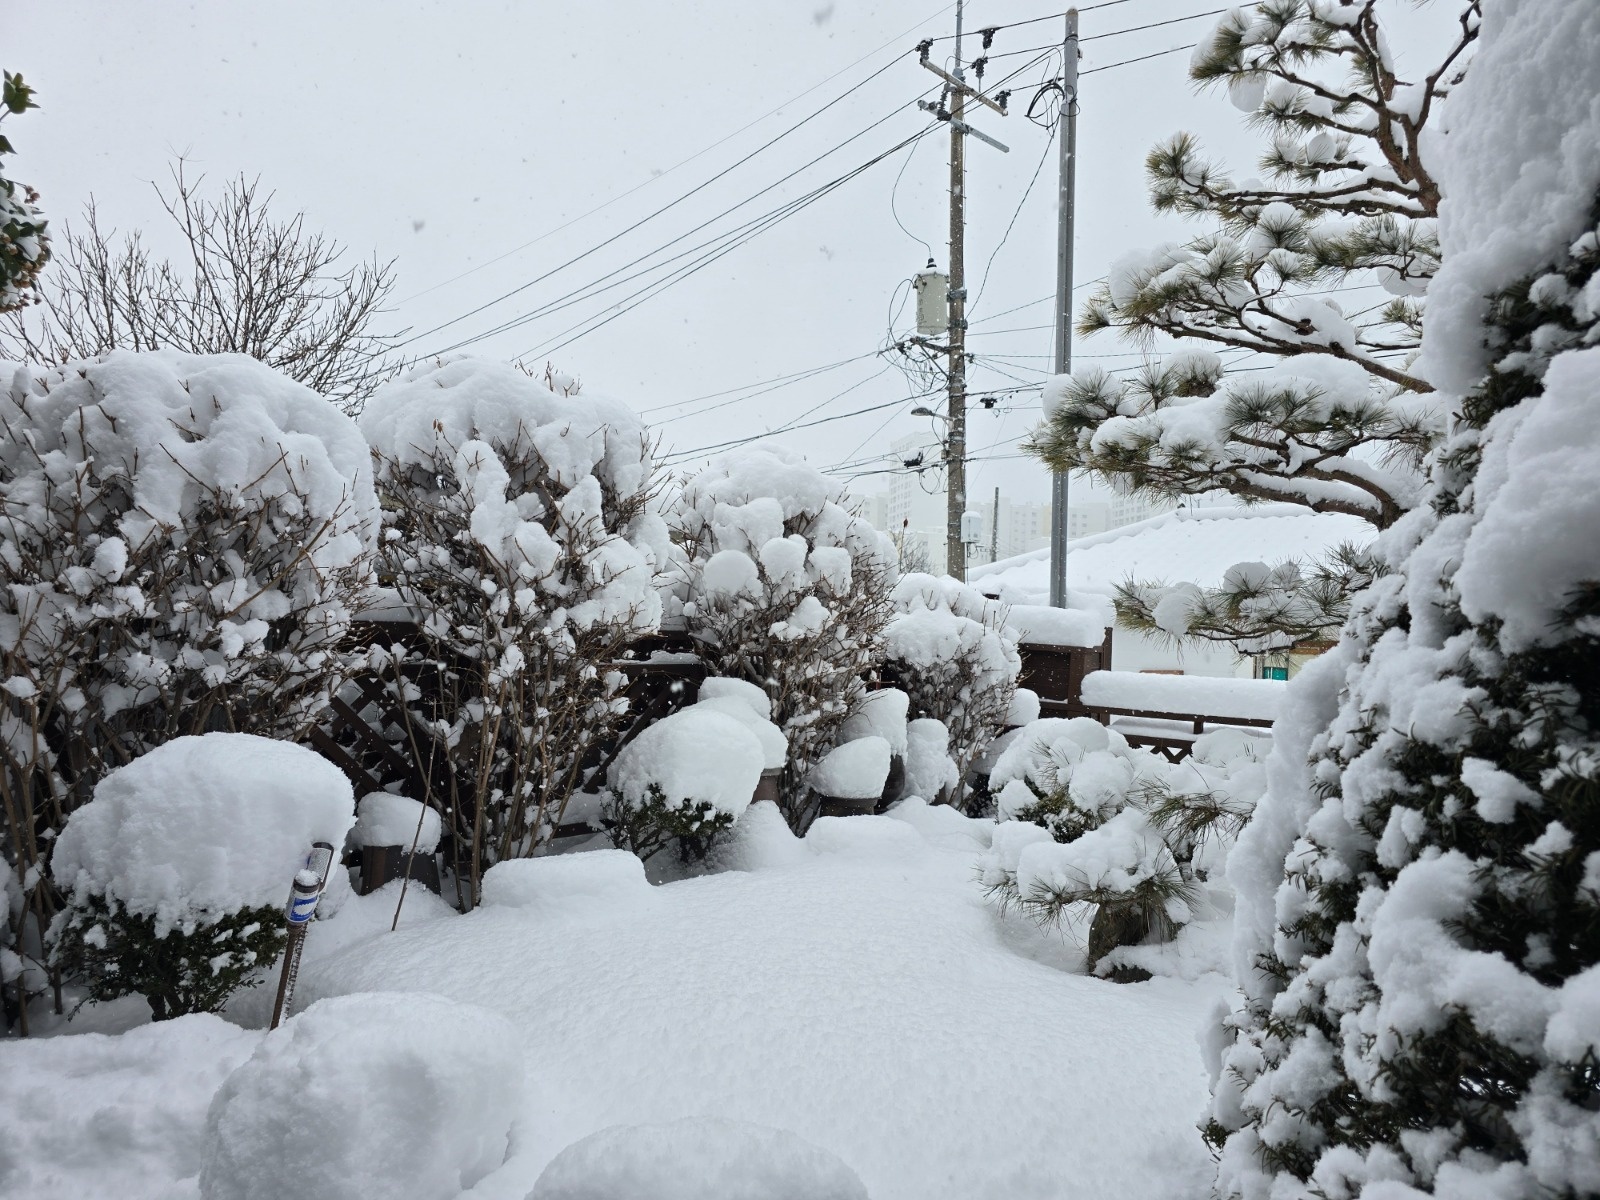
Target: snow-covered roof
{"x":1187,"y":545}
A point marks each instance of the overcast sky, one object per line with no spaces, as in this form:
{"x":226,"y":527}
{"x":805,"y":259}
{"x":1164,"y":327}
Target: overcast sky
{"x":458,"y":138}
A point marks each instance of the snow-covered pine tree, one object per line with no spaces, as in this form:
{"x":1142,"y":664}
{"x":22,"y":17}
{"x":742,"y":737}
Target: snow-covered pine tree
{"x":1349,"y":193}
{"x":24,"y":237}
{"x":1343,"y":424}
{"x":1257,"y":609}
{"x":1418,"y":933}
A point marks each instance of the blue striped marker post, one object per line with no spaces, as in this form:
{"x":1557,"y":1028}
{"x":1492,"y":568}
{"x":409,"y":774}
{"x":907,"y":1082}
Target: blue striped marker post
{"x":304,"y":893}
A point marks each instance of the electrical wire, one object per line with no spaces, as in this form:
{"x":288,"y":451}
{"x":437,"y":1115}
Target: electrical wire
{"x":679,"y":200}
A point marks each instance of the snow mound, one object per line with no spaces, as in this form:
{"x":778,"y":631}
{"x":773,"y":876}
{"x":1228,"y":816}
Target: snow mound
{"x":698,"y":1158}
{"x":1024,"y":707}
{"x":373,"y":1094}
{"x":694,"y":755}
{"x":854,"y":771}
{"x":568,"y":882}
{"x":384,"y":819}
{"x":203,"y":825}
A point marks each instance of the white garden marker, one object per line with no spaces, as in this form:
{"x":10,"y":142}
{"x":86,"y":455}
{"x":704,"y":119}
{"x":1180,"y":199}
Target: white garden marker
{"x":303,"y":896}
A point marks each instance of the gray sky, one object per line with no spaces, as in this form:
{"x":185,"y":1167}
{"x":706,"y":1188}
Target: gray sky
{"x":449,"y":136}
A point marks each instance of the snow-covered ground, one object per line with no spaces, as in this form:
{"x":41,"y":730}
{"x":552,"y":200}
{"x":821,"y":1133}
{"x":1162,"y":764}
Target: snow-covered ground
{"x":855,"y":989}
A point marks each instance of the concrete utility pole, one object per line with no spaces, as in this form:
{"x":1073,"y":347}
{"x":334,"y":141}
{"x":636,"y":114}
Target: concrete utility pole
{"x":955,"y":449}
{"x":994,"y":529}
{"x":1063,"y":349}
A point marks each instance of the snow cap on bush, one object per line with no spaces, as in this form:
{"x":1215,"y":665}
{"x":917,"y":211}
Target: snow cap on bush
{"x":696,"y":755}
{"x":398,"y":1094}
{"x":930,"y":771}
{"x":202,"y":827}
{"x":880,"y":714}
{"x":177,"y":427}
{"x":542,"y":474}
{"x":1073,"y":760}
{"x":855,"y":770}
{"x":749,"y":710}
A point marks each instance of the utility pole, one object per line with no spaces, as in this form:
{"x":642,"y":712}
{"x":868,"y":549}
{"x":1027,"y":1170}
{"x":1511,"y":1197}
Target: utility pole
{"x":955,"y":448}
{"x":994,"y":529}
{"x":1068,"y":173}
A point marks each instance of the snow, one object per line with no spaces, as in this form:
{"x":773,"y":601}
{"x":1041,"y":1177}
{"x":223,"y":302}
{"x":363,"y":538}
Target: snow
{"x":1191,"y":545}
{"x":384,"y":819}
{"x":698,"y":1158}
{"x":774,"y":746}
{"x":929,"y":767}
{"x":181,"y":424}
{"x":719,"y":687}
{"x":1038,"y":624}
{"x":568,"y":883}
{"x":815,"y":995}
{"x":366,"y":1095}
{"x":1518,"y":173}
{"x":122,"y":1115}
{"x":1535,"y":488}
{"x":1241,"y":699}
{"x":1024,"y":707}
{"x":880,"y":714}
{"x":203,"y":826}
{"x":695,"y":755}
{"x":856,"y":770}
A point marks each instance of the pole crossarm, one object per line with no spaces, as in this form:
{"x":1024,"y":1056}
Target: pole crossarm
{"x":961,"y":86}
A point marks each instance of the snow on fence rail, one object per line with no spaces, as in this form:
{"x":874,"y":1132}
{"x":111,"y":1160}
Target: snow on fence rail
{"x":1185,"y":695}
{"x":1167,"y":712}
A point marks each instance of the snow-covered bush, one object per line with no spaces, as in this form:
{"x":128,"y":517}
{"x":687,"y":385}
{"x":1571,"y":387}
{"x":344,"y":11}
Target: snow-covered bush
{"x":183,"y":539}
{"x":1418,"y":938}
{"x":697,"y":1158}
{"x":948,"y":648}
{"x":782,"y":586}
{"x":1115,"y":827}
{"x":519,"y":533}
{"x":375,"y":1094}
{"x":930,"y":771}
{"x":177,"y":871}
{"x":684,"y":780}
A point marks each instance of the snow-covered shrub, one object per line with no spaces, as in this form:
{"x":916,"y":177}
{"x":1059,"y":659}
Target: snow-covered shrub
{"x":177,"y":871}
{"x":183,"y":539}
{"x":930,"y":771}
{"x":948,"y":648}
{"x":684,"y":780}
{"x":782,"y":586}
{"x":697,"y":1158}
{"x":518,"y":530}
{"x":374,"y":1094}
{"x":1418,"y":940}
{"x":1119,"y":828}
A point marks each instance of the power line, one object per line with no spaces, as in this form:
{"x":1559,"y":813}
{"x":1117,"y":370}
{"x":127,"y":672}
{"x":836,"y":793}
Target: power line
{"x":896,"y":40}
{"x":674,"y":203}
{"x":731,"y":242}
